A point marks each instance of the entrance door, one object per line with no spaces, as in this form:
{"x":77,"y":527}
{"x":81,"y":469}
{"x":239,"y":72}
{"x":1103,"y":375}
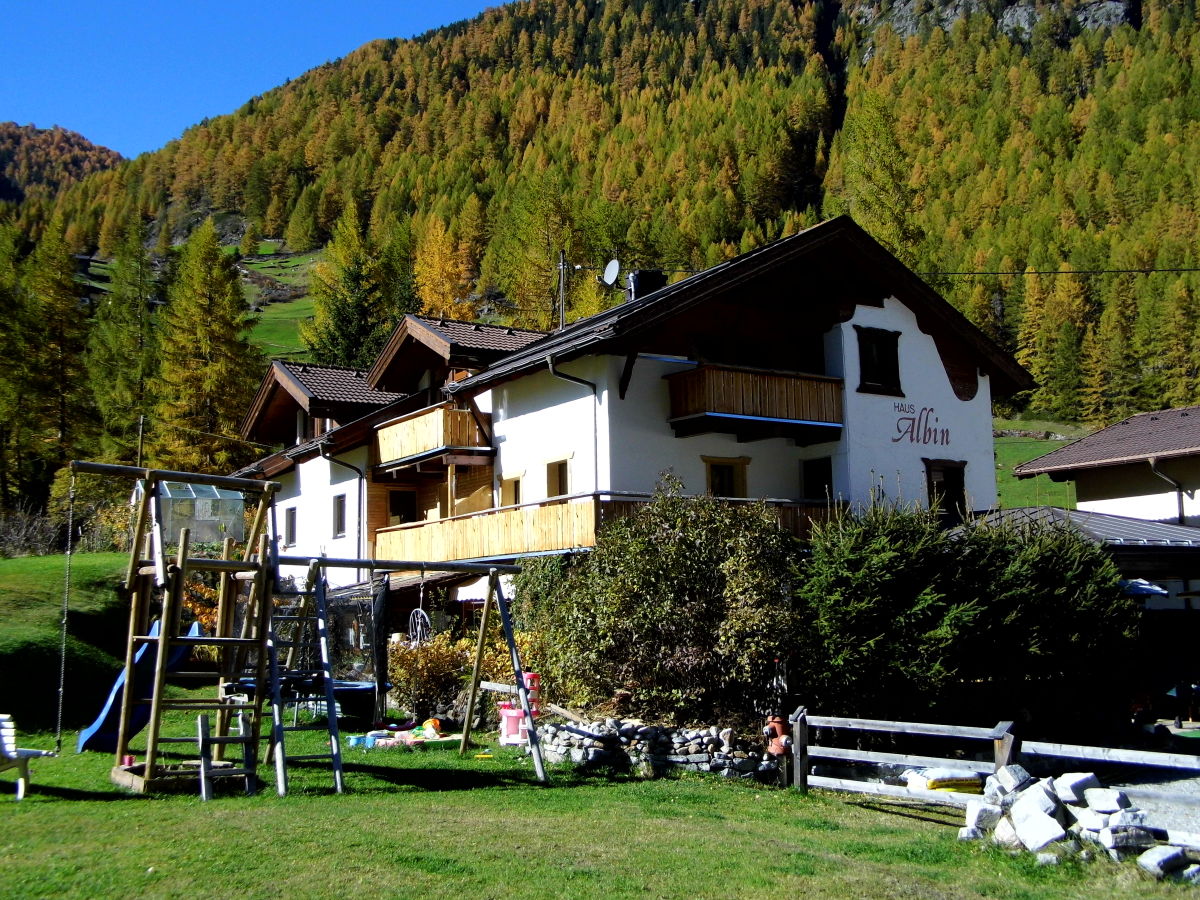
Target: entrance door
{"x":945,"y":480}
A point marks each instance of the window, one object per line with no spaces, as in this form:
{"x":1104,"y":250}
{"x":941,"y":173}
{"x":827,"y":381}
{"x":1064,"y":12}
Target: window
{"x":510,"y":492}
{"x":816,"y":478}
{"x":339,"y":516}
{"x":947,"y":486}
{"x":879,"y":361}
{"x":726,"y":476}
{"x":556,"y":479}
{"x":289,"y":527}
{"x":402,"y":507}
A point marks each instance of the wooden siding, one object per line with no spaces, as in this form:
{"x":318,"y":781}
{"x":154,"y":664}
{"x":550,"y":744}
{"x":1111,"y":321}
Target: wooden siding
{"x":750,"y":392}
{"x":512,"y":531}
{"x":549,"y":525}
{"x":426,"y":431}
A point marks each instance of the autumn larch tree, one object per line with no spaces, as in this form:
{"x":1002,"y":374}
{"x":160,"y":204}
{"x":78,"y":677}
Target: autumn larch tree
{"x":208,"y":370}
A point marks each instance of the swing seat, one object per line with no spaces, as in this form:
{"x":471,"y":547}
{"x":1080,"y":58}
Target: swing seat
{"x":14,"y":757}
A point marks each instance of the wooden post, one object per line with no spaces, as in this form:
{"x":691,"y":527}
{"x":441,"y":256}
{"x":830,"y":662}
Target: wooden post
{"x":1006,"y":744}
{"x":473,"y":692}
{"x":799,"y":720}
{"x":137,"y":611}
{"x":166,"y":631}
{"x":535,"y":744}
{"x":139,"y":534}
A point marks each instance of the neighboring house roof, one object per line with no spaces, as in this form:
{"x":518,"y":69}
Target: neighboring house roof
{"x":823,"y":271}
{"x":1138,"y":548}
{"x":1154,"y":435}
{"x":1101,"y":527}
{"x":333,"y":392}
{"x":423,"y":341}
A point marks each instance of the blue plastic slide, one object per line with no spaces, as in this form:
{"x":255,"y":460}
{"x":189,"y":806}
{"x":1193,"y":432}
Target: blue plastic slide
{"x":102,"y":734}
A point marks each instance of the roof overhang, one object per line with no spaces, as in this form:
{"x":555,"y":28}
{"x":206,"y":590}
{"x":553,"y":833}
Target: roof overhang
{"x":834,"y":256}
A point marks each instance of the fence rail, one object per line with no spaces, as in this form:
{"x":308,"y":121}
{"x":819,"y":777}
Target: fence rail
{"x":1006,"y":748}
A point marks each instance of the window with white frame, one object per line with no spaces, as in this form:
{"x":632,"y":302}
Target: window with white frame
{"x":339,"y":516}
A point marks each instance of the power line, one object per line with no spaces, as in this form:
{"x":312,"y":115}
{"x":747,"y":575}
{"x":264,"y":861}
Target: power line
{"x":1066,"y":272}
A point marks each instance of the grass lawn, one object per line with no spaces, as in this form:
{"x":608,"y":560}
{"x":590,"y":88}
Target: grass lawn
{"x":427,"y":823}
{"x":31,"y":590}
{"x":278,"y":328}
{"x":1012,"y":451}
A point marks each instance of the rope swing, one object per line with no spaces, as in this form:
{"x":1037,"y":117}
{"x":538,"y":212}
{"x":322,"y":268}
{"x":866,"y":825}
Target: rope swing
{"x":62,"y":647}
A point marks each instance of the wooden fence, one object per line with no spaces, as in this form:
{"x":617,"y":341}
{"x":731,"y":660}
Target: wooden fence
{"x":1006,"y":748}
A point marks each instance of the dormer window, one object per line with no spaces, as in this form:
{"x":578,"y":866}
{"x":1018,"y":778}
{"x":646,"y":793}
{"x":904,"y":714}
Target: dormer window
{"x":879,"y":361}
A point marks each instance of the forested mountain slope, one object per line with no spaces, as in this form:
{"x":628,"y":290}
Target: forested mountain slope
{"x":35,"y":164}
{"x":1044,"y":146}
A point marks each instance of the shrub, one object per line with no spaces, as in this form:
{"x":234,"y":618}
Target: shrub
{"x":879,"y":619}
{"x":898,"y":612}
{"x":684,"y":605}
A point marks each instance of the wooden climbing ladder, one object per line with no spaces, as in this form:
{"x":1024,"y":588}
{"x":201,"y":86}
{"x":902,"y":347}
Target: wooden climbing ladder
{"x":239,"y":641}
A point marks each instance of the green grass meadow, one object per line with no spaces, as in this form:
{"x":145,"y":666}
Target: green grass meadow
{"x":417,"y":823}
{"x":277,"y":331}
{"x":425,"y":822}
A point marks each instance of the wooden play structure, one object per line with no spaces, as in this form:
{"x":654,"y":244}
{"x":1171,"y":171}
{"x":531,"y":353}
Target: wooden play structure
{"x":268,"y":643}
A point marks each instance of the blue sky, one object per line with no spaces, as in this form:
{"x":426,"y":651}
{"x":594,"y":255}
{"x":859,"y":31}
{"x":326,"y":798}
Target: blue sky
{"x":133,"y":74}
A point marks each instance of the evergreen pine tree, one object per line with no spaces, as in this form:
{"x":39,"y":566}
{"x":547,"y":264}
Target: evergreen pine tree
{"x":208,"y":370}
{"x":349,"y":324}
{"x":121,"y":357}
{"x":251,"y":240}
{"x":58,"y":400}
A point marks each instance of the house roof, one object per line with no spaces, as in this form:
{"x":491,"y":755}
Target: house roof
{"x":449,"y":342}
{"x":1154,"y":435}
{"x":332,"y":392}
{"x":835,"y":263}
{"x":1114,"y":531}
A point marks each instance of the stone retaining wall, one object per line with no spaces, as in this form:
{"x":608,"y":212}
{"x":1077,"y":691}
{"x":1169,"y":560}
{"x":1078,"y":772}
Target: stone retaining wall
{"x":629,"y":743}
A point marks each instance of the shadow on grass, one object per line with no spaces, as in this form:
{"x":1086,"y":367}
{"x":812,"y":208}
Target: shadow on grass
{"x":66,"y":793}
{"x":934,"y":815}
{"x":428,"y":779}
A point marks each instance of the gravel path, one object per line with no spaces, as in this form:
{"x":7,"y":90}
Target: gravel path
{"x":1176,"y":816}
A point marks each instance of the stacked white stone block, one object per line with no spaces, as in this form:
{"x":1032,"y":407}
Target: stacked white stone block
{"x":1071,"y":814}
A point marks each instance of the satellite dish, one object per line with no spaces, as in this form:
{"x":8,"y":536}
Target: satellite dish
{"x":610,"y":272}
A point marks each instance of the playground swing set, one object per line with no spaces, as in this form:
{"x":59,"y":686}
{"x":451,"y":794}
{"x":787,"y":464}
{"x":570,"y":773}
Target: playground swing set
{"x":270,"y":641}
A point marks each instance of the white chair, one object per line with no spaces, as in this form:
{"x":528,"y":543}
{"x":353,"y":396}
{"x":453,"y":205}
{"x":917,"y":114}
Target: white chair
{"x":13,"y":757}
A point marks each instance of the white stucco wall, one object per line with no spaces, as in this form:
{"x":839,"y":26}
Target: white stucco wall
{"x":1134,"y":490}
{"x":540,"y":419}
{"x":310,"y":489}
{"x":644,"y":446}
{"x":886,"y":437}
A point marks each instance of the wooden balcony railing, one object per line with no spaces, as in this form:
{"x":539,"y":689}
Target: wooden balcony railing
{"x":427,"y":431}
{"x":564,"y":523}
{"x":708,"y":395}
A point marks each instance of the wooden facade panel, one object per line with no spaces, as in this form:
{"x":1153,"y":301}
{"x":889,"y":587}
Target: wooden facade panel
{"x":432,"y":429}
{"x":747,"y":392}
{"x":538,"y":528}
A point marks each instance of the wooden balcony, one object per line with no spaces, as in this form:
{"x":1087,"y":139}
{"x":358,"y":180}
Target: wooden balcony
{"x":430,"y":433}
{"x":755,"y":404}
{"x":566,"y":523}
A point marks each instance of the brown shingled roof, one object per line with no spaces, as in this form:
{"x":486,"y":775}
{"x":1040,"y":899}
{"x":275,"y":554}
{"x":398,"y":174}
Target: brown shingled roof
{"x":336,"y":383}
{"x":1164,"y":434}
{"x":476,"y":336}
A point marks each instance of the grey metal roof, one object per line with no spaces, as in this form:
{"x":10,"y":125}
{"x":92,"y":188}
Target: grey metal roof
{"x":1120,"y":531}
